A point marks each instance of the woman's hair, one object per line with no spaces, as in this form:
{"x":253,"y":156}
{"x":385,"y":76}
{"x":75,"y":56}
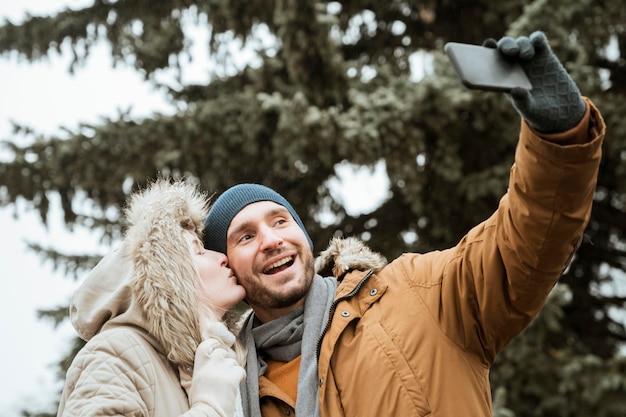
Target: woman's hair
{"x":166,"y":280}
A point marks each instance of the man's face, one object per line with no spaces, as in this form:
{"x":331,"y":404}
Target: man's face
{"x":271,"y":257}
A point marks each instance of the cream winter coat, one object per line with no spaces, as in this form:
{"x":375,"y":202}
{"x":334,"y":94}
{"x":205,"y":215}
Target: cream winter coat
{"x":138,"y":313}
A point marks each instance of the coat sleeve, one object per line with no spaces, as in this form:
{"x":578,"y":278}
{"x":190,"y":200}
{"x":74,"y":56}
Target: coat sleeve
{"x":109,"y":377}
{"x":489,"y":287}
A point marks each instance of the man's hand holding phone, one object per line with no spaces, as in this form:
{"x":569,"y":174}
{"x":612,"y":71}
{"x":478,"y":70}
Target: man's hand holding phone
{"x":550,"y":102}
{"x":484,"y":68}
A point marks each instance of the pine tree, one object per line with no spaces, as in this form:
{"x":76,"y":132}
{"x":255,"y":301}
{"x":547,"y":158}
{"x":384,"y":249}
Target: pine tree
{"x":333,"y":85}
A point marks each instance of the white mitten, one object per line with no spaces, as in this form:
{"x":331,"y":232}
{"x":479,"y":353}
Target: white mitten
{"x":215,"y":381}
{"x":217,"y":330}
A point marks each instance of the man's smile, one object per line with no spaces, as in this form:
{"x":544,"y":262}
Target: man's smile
{"x":279,"y":265}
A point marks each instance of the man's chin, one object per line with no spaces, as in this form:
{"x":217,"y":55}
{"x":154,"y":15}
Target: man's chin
{"x":283,"y":289}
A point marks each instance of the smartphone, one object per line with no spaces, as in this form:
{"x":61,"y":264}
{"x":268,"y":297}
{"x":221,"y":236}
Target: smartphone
{"x":485,"y":68}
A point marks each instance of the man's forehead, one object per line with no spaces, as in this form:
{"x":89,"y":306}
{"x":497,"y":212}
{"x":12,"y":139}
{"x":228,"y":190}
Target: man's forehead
{"x":256,"y":211}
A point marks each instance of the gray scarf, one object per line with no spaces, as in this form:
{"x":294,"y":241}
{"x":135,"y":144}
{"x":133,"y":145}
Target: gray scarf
{"x":284,"y":339}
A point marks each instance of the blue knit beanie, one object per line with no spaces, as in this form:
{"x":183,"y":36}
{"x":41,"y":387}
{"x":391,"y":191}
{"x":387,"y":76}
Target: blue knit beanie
{"x":231,"y":202}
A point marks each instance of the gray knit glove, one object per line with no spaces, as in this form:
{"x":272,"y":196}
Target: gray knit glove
{"x":554,"y":104}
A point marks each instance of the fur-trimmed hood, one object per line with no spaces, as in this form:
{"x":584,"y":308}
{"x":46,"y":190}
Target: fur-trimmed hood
{"x":150,"y":281}
{"x":345,"y":255}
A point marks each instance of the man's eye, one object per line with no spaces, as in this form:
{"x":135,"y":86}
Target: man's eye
{"x":245,"y":238}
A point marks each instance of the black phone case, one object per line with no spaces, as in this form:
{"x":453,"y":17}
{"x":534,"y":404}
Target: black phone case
{"x":485,"y":68}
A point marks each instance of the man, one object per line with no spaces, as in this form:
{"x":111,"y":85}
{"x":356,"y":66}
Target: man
{"x":418,"y":336}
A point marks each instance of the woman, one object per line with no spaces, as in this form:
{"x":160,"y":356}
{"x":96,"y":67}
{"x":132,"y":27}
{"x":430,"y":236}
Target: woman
{"x":154,"y":314}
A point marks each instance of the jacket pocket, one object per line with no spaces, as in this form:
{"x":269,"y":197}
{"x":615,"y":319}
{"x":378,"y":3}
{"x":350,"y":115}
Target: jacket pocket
{"x":409,"y":389}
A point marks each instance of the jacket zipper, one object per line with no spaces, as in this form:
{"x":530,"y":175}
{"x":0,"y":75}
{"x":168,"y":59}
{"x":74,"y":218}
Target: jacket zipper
{"x":334,"y":306}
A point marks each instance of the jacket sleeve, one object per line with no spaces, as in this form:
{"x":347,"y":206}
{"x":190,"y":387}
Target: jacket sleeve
{"x":110,"y":377}
{"x":489,"y":287}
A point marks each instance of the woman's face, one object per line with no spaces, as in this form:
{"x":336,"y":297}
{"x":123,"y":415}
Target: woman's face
{"x":216,"y":278}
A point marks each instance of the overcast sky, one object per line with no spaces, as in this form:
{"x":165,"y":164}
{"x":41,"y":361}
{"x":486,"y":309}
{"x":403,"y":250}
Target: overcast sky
{"x":44,"y":96}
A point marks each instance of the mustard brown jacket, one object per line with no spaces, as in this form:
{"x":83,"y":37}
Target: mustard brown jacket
{"x":417,"y":337}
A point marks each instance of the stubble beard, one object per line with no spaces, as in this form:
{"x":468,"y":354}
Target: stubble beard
{"x":259,"y":294}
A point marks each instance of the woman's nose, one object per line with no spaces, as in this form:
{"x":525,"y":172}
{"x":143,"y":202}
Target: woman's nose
{"x":220,"y":258}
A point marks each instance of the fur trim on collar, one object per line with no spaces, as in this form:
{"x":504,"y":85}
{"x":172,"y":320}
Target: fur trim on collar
{"x":345,"y":255}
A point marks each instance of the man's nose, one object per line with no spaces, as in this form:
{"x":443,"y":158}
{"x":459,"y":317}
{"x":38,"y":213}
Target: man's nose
{"x":270,"y":239}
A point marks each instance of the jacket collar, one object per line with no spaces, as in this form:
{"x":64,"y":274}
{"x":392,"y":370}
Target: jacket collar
{"x":345,"y":255}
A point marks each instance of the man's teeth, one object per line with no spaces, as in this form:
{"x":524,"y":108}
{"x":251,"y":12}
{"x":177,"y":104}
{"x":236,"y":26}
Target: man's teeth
{"x":278,"y":263}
